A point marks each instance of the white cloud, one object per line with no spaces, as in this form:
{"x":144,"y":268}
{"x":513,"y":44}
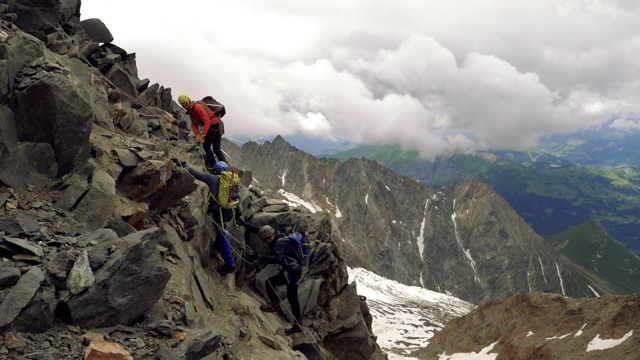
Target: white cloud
{"x":432,"y":75}
{"x":626,"y":124}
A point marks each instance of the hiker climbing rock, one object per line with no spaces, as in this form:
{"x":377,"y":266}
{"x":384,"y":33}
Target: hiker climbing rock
{"x":217,"y":210}
{"x":283,"y":254}
{"x":206,"y":126}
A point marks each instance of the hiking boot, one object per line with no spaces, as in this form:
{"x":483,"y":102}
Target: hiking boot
{"x":225,"y":269}
{"x":296,"y":328}
{"x":270,"y":308}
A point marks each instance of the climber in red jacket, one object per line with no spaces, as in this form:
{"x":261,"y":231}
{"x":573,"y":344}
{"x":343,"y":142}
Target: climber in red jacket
{"x":211,"y":134}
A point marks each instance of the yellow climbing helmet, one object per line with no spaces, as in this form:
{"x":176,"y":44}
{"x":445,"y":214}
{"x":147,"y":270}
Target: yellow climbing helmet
{"x":183,"y":98}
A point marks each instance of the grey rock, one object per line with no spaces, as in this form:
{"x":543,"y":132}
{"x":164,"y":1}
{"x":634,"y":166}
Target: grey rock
{"x":123,"y":80}
{"x":20,"y":295}
{"x":121,"y":227}
{"x":149,"y":95}
{"x":199,"y":343}
{"x":75,"y":187}
{"x":3,"y":198}
{"x":164,"y":352}
{"x":39,"y":20}
{"x":27,"y":222}
{"x":95,"y":207}
{"x":127,"y":285}
{"x":126,"y":157}
{"x":179,"y":185}
{"x":166,"y":327}
{"x":11,"y":226}
{"x":144,"y":180}
{"x":24,"y":246}
{"x":271,"y":342}
{"x":355,"y":343}
{"x":20,"y":50}
{"x":60,"y":265}
{"x":9,"y":275}
{"x":143,"y":85}
{"x":38,"y":315}
{"x":99,"y":236}
{"x":68,"y":125}
{"x":190,"y":315}
{"x":8,"y":135}
{"x":16,"y":170}
{"x":81,"y":277}
{"x":97,"y":30}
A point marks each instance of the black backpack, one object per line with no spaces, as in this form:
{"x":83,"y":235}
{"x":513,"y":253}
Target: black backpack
{"x":215,"y":105}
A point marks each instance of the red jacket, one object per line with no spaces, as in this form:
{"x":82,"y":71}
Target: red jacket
{"x":199,"y":117}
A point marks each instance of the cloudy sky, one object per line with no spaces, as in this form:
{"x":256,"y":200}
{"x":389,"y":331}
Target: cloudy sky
{"x":432,"y":75}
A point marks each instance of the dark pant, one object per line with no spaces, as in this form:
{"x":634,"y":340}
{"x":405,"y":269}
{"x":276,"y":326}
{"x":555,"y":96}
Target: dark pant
{"x":292,"y":289}
{"x":213,"y":140}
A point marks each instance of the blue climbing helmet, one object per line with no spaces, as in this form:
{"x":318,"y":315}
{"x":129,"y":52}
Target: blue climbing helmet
{"x":221,"y":166}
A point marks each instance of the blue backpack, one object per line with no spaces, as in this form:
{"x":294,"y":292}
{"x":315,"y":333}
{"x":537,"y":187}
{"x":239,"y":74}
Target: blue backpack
{"x":302,"y":246}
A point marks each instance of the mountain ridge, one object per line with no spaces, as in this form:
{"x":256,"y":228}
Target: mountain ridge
{"x":100,"y":196}
{"x":552,"y":194}
{"x":386,"y":221}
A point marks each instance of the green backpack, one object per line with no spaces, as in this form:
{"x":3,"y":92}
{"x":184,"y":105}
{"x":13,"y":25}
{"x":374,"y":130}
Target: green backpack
{"x":229,"y":190}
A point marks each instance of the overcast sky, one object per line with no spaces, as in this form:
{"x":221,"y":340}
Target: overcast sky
{"x":432,"y":75}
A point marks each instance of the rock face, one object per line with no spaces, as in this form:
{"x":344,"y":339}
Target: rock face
{"x":103,"y":237}
{"x":544,"y":326}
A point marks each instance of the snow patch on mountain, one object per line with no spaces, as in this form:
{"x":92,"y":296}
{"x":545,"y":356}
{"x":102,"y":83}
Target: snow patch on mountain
{"x":405,"y":317}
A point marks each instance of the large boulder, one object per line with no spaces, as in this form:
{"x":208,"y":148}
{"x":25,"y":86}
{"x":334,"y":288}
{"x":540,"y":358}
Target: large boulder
{"x":42,"y":17}
{"x":128,"y":284}
{"x":53,"y":111}
{"x":28,"y":164}
{"x":20,"y":295}
{"x":97,"y":30}
{"x":16,"y":53}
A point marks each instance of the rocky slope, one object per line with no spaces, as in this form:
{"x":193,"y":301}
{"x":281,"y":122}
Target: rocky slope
{"x":544,"y":326}
{"x":106,"y":251}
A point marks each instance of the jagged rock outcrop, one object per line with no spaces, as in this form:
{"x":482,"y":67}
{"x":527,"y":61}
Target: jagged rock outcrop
{"x":476,"y":244}
{"x":105,"y":247}
{"x":544,"y":326}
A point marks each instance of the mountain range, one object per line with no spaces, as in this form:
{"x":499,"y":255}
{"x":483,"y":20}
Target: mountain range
{"x":106,"y":247}
{"x":550,"y":192}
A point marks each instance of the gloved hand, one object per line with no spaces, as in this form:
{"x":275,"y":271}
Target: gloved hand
{"x":240,"y":222}
{"x":179,"y":163}
{"x":253,"y":257}
{"x":200,"y":150}
{"x":199,"y":138}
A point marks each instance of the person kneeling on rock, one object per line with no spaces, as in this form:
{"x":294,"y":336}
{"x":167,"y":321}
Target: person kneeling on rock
{"x":283,"y":254}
